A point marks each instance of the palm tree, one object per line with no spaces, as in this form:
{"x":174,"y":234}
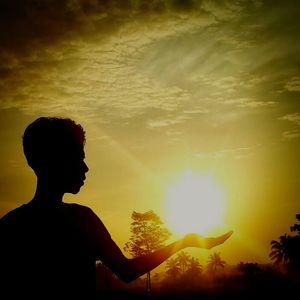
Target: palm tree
{"x":286,"y":250}
{"x":280,"y":250}
{"x":183,"y":260}
{"x":215,"y":261}
{"x":194,"y":267}
{"x":173,"y":268}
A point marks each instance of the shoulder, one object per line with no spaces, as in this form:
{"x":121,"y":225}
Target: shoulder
{"x":14,"y":214}
{"x":89,"y":220}
{"x":83,"y":213}
{"x":78,"y":209}
{"x":15,"y":219}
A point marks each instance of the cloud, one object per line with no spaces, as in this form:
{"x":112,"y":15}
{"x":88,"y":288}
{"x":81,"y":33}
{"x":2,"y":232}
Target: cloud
{"x":250,"y":103}
{"x":91,"y":77}
{"x":82,"y":57}
{"x":167,"y":122}
{"x":196,"y":111}
{"x":114,"y":60}
{"x":294,"y":118}
{"x":35,"y":23}
{"x":235,"y":153}
{"x":292,"y":134}
{"x":172,"y":132}
{"x":293,"y":84}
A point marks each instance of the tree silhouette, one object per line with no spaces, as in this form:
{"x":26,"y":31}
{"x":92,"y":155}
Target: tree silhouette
{"x":287,"y":249}
{"x":183,"y":259}
{"x":173,"y":268}
{"x":215,"y":262}
{"x":249,"y":269}
{"x":183,"y":267}
{"x":279,"y":250}
{"x":194,"y":268}
{"x":296,"y":227}
{"x":147,"y":235}
{"x":294,"y":248}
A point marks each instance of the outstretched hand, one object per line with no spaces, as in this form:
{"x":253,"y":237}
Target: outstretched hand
{"x":196,"y":240}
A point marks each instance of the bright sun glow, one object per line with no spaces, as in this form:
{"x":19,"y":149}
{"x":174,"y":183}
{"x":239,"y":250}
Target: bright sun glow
{"x":194,"y":204}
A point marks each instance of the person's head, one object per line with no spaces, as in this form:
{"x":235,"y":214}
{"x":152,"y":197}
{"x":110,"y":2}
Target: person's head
{"x":54,"y":149}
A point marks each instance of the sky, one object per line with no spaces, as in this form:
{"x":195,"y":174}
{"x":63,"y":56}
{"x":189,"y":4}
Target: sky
{"x":161,"y":88}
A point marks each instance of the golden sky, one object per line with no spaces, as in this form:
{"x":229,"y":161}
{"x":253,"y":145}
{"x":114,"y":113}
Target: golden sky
{"x":161,"y":87}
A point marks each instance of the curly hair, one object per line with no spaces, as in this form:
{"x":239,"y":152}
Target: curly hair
{"x":48,"y":137}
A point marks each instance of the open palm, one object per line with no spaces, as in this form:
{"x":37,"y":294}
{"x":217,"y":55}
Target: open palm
{"x":196,"y":240}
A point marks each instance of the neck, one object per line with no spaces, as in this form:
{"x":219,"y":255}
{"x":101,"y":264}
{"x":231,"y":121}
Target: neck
{"x":46,"y":194}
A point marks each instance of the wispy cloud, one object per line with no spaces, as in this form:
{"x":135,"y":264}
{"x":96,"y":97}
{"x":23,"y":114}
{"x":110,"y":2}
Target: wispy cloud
{"x":292,"y":134}
{"x":250,"y":103}
{"x":108,"y":61}
{"x":235,"y":153}
{"x":167,"y":122}
{"x":294,"y":118}
{"x":293,"y":84}
{"x":93,"y":69}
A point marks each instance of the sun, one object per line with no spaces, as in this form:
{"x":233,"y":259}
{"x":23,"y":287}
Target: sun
{"x":194,"y":203}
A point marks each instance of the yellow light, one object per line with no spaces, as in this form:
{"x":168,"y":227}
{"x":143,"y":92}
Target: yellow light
{"x":194,"y":204}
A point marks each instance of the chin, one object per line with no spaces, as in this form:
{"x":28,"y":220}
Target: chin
{"x":73,"y":189}
{"x":76,"y":190}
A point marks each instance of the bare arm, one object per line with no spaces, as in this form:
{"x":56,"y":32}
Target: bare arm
{"x":130,"y":269}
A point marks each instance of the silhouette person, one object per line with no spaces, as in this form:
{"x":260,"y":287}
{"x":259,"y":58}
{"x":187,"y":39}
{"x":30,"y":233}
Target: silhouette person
{"x":48,"y":247}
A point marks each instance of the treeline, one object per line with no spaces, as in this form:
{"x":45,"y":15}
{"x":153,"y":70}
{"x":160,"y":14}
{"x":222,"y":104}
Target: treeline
{"x":185,"y":278}
{"x":184,"y":272}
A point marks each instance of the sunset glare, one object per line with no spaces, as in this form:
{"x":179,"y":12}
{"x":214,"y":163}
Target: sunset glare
{"x":194,"y":203}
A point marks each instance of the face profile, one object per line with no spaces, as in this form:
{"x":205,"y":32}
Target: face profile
{"x":54,"y":148}
{"x":68,"y":172}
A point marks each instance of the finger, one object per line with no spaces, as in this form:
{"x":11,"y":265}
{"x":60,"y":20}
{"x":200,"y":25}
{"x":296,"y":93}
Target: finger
{"x":230,"y":232}
{"x":227,"y":234}
{"x":222,"y":238}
